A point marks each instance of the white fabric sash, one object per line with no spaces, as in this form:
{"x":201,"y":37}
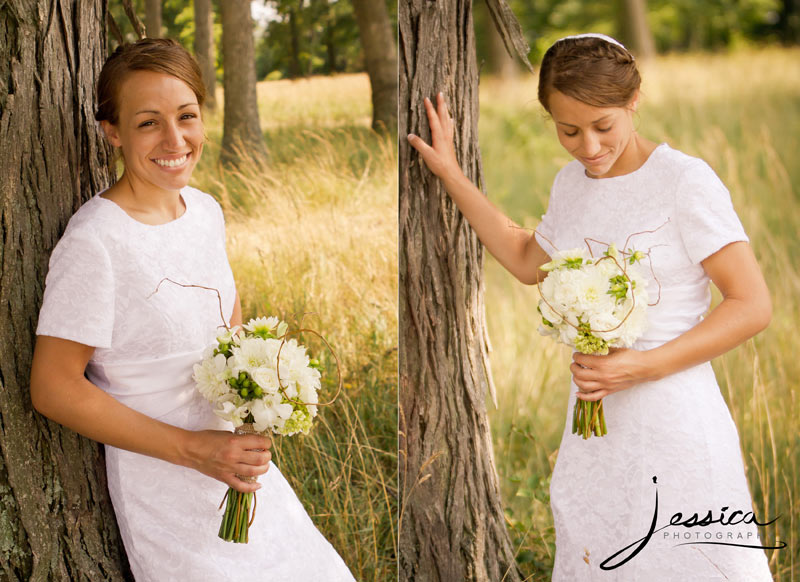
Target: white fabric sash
{"x":153,"y":387}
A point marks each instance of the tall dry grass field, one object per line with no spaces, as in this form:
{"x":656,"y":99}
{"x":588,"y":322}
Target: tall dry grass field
{"x":741,"y":113}
{"x":312,"y":230}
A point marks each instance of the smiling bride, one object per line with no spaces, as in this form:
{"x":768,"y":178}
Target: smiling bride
{"x":169,"y":459}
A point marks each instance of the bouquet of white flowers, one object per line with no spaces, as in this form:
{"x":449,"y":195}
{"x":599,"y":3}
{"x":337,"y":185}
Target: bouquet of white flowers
{"x":592,"y":304}
{"x":261,"y":381}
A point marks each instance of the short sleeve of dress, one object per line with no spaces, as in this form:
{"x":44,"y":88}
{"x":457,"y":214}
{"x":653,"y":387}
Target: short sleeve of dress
{"x":706,"y":218}
{"x":547,"y":229}
{"x":78,"y":302}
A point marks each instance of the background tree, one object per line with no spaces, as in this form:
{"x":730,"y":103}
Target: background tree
{"x":637,"y":29}
{"x":56,"y":520}
{"x":380,"y":58}
{"x":325,"y":32}
{"x":788,"y":21}
{"x":152,"y":18}
{"x":451,"y":521}
{"x":204,"y":48}
{"x":242,"y":130}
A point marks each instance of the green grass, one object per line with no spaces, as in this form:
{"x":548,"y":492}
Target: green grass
{"x":741,"y":113}
{"x":312,"y":237}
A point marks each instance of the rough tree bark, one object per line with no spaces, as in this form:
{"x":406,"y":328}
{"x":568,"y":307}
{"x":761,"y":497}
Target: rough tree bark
{"x":152,"y":18}
{"x":451,"y":521}
{"x":242,"y":130}
{"x":204,"y":48}
{"x":380,"y":58}
{"x":56,"y":520}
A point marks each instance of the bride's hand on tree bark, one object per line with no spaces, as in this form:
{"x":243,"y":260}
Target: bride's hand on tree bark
{"x":440,"y":156}
{"x":222,"y":455}
{"x":599,"y":376}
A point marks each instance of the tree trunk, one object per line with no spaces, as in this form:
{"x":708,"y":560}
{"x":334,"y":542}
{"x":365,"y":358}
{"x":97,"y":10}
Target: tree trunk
{"x":380,"y":58}
{"x":330,"y":40}
{"x":204,"y":48}
{"x":501,"y":63}
{"x":789,"y":22}
{"x":242,"y":130}
{"x":152,"y":18}
{"x":56,"y":519}
{"x":294,"y":44}
{"x":641,"y":38}
{"x":451,"y":520}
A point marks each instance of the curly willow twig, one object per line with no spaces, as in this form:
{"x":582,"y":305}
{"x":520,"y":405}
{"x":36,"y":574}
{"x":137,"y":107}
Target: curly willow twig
{"x":622,"y":268}
{"x":219,"y":297}
{"x":285,"y":336}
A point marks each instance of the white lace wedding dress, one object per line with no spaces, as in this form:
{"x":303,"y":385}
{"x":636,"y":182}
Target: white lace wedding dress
{"x":100,"y":292}
{"x":677,"y":430}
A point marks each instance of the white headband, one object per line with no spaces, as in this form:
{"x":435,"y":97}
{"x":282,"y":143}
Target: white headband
{"x":597,"y":35}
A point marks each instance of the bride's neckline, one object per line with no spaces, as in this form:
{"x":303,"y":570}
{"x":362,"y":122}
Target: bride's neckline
{"x":181,"y":195}
{"x":660,"y":147}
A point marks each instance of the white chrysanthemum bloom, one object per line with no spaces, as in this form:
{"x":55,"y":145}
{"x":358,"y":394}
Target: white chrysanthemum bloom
{"x":253,"y":353}
{"x":259,"y":324}
{"x":211,"y":376}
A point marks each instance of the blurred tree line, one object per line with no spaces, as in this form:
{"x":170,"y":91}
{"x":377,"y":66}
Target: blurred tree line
{"x":672,"y":25}
{"x":298,"y":38}
{"x":270,"y":39}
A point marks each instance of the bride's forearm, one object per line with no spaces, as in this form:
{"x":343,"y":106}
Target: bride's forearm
{"x":745,"y":310}
{"x":514,"y":247}
{"x":731,"y":323}
{"x":83,"y":407}
{"x":60,"y":391}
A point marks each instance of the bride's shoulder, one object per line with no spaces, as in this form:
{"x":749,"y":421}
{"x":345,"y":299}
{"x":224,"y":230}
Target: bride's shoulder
{"x":681,"y":163}
{"x":201,"y":199}
{"x":91,"y":218}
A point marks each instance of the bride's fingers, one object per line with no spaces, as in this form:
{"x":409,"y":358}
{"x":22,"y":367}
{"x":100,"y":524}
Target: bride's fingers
{"x":251,"y":470}
{"x":434,"y":123}
{"x":234,"y":482}
{"x":426,"y":151}
{"x":593,"y":396}
{"x":583,"y":374}
{"x":444,"y":116}
{"x":255,"y":458}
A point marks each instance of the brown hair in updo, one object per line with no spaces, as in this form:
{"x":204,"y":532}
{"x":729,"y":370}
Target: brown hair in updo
{"x":160,"y":55}
{"x":591,"y":70}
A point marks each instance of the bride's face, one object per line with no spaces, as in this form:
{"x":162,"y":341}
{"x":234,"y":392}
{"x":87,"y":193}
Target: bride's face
{"x":159,"y":129}
{"x":595,"y":136}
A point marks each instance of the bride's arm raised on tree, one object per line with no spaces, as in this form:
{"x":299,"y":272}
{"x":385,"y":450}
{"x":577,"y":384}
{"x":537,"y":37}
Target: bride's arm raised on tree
{"x":61,"y":392}
{"x":514,"y":247}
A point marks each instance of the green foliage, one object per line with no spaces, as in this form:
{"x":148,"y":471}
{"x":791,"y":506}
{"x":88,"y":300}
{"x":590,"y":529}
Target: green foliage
{"x":677,"y":25}
{"x":326,"y":38}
